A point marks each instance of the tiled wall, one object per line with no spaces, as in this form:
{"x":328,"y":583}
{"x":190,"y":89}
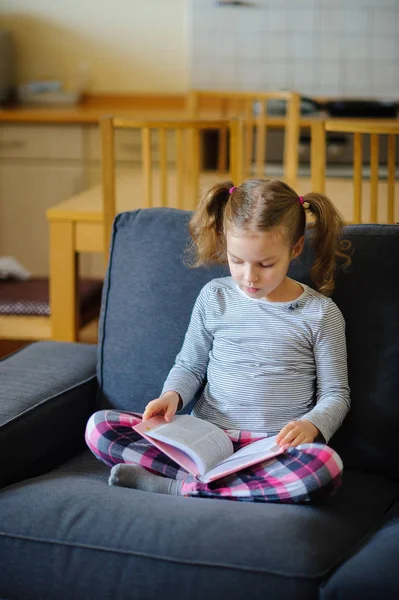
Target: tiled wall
{"x":319,"y":47}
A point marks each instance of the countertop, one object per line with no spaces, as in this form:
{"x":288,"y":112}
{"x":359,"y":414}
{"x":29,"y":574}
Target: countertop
{"x":92,"y":108}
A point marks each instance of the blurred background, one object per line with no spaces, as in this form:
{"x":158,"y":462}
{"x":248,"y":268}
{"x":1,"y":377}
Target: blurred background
{"x":64,"y":64}
{"x":318,"y":47}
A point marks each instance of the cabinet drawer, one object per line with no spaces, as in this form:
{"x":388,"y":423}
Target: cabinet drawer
{"x":127,"y":145}
{"x":41,"y":141}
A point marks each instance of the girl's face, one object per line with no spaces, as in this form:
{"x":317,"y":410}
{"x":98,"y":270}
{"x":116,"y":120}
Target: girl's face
{"x":259,"y":261}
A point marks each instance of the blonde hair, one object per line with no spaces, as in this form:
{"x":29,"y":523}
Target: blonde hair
{"x":258,"y":205}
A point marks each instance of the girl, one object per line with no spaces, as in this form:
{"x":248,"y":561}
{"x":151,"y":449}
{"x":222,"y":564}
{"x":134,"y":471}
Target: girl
{"x":270,"y":350}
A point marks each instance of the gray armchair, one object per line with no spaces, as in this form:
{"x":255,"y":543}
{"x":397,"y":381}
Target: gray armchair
{"x":65,"y":534}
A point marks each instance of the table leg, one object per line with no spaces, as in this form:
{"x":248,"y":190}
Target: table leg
{"x":63,"y":281}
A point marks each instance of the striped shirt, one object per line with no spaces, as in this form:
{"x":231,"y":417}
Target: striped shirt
{"x":263,"y":363}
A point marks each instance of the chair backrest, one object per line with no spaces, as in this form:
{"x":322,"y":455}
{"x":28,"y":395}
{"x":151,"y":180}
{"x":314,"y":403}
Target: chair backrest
{"x":170,"y":157}
{"x":359,"y":129}
{"x":253,"y":107}
{"x":149,"y":293}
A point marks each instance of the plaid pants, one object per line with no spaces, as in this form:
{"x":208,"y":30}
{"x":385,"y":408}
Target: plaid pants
{"x":309,"y":472}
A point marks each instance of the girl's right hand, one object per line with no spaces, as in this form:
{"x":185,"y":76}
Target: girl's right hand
{"x":165,"y":405}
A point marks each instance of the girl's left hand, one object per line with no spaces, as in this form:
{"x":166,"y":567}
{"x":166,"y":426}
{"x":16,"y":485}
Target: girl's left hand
{"x":297,"y":432}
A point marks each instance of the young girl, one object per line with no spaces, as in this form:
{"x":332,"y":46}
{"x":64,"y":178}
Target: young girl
{"x":270,"y":350}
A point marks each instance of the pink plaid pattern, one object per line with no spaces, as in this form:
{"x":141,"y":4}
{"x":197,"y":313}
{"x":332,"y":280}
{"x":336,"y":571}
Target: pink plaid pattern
{"x":310,"y":472}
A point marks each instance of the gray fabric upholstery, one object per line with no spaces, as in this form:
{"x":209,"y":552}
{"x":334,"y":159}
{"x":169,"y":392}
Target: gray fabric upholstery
{"x":372,"y":573}
{"x":145,"y":316}
{"x":47,"y":392}
{"x":68,"y":535}
{"x":91,"y":541}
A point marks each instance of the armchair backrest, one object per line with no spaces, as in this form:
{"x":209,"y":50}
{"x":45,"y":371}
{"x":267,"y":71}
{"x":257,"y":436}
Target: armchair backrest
{"x":149,"y":294}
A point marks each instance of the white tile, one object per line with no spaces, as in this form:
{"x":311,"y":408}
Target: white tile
{"x":289,"y":76}
{"x":330,"y":90}
{"x":203,"y":44}
{"x":202,"y":77}
{"x":278,"y":19}
{"x":279,"y":3}
{"x":331,"y":74}
{"x":357,"y":48}
{"x":360,"y":91}
{"x":224,"y":46}
{"x":303,"y":3}
{"x":301,"y":47}
{"x":248,"y":75}
{"x":226,"y":75}
{"x":226,"y":17}
{"x":248,"y":46}
{"x":356,"y":21}
{"x":356,"y":73}
{"x":266,"y":72}
{"x":253,"y":19}
{"x":277,"y":76}
{"x":304,"y":74}
{"x":384,"y":3}
{"x":331,"y":20}
{"x":384,"y":22}
{"x":301,"y":20}
{"x":385,"y":75}
{"x":276,"y":48}
{"x":203,"y":18}
{"x":384,"y":48}
{"x":330,"y":3}
{"x":330,"y":47}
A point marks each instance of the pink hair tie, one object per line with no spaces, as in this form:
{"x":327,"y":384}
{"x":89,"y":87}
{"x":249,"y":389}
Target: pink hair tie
{"x":301,"y":200}
{"x":231,"y":190}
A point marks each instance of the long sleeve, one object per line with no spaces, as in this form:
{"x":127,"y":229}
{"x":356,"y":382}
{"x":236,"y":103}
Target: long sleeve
{"x":189,"y":371}
{"x":332,"y":397}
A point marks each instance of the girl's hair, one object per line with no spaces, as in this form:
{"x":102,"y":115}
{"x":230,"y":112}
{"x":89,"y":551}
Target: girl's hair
{"x":258,"y":205}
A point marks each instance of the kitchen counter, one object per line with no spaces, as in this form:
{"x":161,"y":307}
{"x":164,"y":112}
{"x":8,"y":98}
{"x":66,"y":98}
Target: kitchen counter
{"x":147,"y":105}
{"x":91,"y":108}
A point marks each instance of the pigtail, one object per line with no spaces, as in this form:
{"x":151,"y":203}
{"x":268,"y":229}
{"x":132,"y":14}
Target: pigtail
{"x":328,"y":245}
{"x":206,"y":226}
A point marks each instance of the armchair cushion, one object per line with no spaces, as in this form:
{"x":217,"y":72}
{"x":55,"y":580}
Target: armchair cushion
{"x":47,"y":392}
{"x":91,"y":540}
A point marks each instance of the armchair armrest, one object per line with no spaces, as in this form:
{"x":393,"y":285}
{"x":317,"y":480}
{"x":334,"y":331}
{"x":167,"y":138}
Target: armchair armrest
{"x":47,"y":393}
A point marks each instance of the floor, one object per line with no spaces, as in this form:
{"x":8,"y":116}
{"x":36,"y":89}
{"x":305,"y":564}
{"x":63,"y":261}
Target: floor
{"x":10,"y":346}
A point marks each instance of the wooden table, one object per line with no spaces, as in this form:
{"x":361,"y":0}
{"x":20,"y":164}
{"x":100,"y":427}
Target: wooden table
{"x":76,"y":226}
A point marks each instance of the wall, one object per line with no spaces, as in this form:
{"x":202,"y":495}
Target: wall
{"x":321,"y":47}
{"x":127,"y":45}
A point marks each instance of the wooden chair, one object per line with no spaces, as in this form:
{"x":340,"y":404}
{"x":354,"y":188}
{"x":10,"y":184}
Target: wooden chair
{"x":228,"y":104}
{"x":363,"y":194}
{"x":170,"y":162}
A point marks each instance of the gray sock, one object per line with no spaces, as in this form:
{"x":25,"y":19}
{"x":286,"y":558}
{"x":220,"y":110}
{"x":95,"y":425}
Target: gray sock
{"x":134,"y":476}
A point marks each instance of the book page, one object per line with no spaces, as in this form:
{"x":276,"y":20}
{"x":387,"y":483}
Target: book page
{"x":206,"y":443}
{"x":245,"y":457}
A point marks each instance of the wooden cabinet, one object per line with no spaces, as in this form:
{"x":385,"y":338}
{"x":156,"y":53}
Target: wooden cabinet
{"x":27,"y":189}
{"x":40,"y":165}
{"x":43,"y":164}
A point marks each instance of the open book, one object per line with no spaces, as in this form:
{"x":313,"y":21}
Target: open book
{"x":202,"y":448}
